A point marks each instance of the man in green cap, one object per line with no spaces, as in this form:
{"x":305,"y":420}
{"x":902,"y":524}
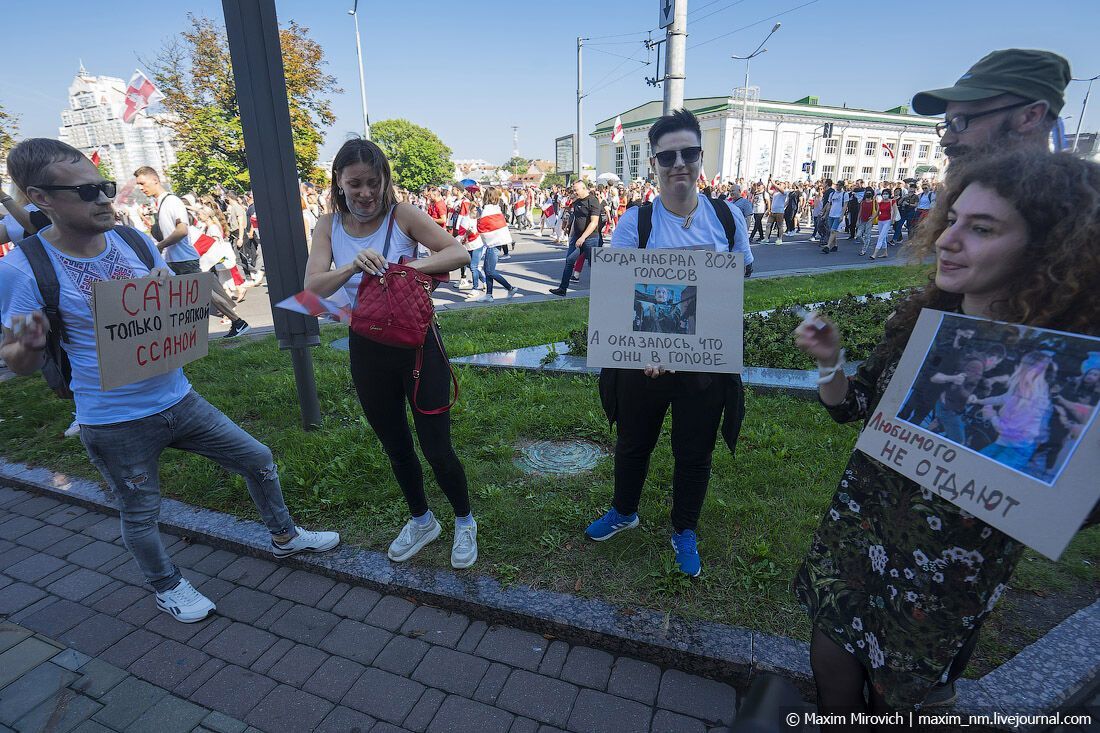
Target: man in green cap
{"x":1011,"y":96}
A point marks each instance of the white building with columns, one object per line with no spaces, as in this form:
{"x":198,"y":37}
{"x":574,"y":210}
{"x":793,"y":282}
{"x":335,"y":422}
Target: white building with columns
{"x":780,"y":138}
{"x":94,"y":121}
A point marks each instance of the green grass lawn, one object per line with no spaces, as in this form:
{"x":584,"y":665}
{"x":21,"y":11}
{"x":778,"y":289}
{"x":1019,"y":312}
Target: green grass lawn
{"x":762,"y":506}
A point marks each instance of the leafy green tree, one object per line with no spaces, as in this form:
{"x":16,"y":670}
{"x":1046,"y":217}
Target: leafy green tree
{"x":516,"y":165}
{"x":553,"y":179}
{"x":9,"y":131}
{"x":195,"y":74}
{"x":417,"y":156}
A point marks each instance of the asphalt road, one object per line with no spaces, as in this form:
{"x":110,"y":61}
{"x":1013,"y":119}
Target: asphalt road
{"x":536,"y":266}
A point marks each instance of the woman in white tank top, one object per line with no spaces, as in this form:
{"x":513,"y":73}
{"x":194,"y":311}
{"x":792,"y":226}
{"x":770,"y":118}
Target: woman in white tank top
{"x":352,"y":241}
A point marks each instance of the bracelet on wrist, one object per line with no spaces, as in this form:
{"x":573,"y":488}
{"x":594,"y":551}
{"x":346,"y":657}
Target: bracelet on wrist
{"x":825,"y":374}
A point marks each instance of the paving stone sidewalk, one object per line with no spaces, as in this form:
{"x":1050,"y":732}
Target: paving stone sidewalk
{"x":290,"y":650}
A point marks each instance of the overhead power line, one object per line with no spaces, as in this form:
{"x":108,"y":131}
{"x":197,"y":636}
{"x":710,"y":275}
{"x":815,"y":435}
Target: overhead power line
{"x":753,"y":25}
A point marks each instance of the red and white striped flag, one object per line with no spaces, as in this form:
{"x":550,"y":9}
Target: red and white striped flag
{"x":715,"y":181}
{"x":95,"y":157}
{"x":140,"y":93}
{"x":311,"y":304}
{"x":889,"y":150}
{"x":617,"y":135}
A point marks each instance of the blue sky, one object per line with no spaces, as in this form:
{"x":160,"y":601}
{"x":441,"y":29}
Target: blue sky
{"x":470,"y":69}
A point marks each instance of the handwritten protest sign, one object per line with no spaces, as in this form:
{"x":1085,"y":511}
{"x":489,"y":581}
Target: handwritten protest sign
{"x":143,"y":329}
{"x":680,"y":308}
{"x":999,"y":419}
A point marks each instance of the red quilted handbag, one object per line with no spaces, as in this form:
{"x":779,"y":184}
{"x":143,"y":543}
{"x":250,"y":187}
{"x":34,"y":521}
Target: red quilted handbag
{"x":396,"y":309}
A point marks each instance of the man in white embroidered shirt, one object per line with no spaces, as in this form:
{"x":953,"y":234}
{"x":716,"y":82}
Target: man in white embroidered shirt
{"x":126,"y":429}
{"x":680,"y":217}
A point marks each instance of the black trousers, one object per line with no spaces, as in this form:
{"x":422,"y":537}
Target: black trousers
{"x":383,"y":380}
{"x":757,"y":226}
{"x":696,"y":401}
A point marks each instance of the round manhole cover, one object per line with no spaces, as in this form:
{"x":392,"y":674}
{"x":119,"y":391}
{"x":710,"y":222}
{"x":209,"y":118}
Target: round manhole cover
{"x":558,"y":456}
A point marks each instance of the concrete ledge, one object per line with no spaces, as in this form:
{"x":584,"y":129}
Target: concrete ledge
{"x":793,"y":382}
{"x":1041,"y":679}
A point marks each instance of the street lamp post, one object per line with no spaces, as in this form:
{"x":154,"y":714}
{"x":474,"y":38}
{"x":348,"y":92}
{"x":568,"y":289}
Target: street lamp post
{"x":745,"y":101}
{"x":362,"y":84}
{"x":1084,"y":104}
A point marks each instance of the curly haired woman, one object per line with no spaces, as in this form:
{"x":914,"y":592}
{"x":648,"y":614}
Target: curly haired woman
{"x":897,"y":580}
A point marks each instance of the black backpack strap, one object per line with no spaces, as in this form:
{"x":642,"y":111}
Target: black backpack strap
{"x":645,"y":224}
{"x":137,"y":243}
{"x":722,"y":210}
{"x":46,"y":278}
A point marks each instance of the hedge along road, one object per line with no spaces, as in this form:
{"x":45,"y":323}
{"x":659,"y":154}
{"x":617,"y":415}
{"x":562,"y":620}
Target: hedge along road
{"x":536,"y":265}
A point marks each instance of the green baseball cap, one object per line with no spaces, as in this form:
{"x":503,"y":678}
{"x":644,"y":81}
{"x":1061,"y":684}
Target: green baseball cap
{"x":1028,"y":73}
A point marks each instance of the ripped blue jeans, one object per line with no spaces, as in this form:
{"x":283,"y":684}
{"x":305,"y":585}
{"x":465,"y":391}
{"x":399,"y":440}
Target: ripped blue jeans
{"x":127,"y":454}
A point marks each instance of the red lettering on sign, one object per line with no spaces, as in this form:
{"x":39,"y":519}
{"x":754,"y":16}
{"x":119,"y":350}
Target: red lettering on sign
{"x":175,"y":293}
{"x":126,"y":289}
{"x":154,"y":296}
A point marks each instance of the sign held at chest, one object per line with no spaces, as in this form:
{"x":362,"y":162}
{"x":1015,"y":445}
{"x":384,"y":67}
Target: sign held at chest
{"x":144,"y":329}
{"x":678,"y":308}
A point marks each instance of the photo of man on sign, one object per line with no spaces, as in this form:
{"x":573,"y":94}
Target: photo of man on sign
{"x":1017,"y":395}
{"x":664,"y":308}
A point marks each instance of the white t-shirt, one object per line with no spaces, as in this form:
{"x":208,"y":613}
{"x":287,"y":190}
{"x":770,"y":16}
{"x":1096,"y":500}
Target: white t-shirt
{"x":345,"y":248}
{"x":19,"y":296}
{"x":837,"y":203}
{"x":172,"y":211}
{"x":668,"y":230}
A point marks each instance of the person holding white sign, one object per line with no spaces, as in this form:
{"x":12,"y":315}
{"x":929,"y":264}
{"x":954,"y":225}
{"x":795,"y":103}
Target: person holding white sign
{"x":680,"y":217}
{"x":125,"y":429}
{"x":898,"y":579}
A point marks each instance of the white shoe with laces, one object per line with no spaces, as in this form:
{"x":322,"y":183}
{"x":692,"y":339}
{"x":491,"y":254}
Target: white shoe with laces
{"x":184,"y":603}
{"x":464,"y":549}
{"x":73,"y":429}
{"x":305,"y":541}
{"x":412,"y":539}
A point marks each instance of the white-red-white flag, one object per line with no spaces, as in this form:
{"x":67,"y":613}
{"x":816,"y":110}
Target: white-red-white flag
{"x":617,"y":135}
{"x":715,"y":181}
{"x":311,"y":304}
{"x":140,"y":93}
{"x":889,"y":150}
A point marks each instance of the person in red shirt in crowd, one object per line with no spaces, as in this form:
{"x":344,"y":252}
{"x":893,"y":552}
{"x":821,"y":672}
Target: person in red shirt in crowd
{"x":437,"y":207}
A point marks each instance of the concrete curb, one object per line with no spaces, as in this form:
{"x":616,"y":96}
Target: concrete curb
{"x":1041,"y":679}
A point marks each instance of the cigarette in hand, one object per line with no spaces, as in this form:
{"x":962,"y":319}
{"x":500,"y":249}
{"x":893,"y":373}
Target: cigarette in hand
{"x":817,"y":323}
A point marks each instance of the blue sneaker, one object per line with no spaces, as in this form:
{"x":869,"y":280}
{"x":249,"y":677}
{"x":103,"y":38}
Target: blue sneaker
{"x":687,"y":554}
{"x":611,"y":524}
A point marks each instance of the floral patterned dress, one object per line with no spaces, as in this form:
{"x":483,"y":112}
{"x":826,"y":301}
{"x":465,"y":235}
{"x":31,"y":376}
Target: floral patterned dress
{"x":895,"y":575}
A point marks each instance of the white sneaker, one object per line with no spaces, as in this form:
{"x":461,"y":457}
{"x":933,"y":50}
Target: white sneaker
{"x":512,"y":293}
{"x":305,"y":541}
{"x":464,"y":285}
{"x":412,"y":539}
{"x":476,"y":295}
{"x":464,"y":549}
{"x":73,"y":430}
{"x":184,"y":603}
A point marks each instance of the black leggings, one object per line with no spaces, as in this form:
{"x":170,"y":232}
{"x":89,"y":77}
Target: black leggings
{"x":757,"y":226}
{"x":840,"y":680}
{"x":383,"y":379}
{"x":696,"y":413}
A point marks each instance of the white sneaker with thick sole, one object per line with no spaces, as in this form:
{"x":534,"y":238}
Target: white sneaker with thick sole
{"x":73,"y":429}
{"x":464,"y":549}
{"x":476,"y":295}
{"x":184,"y":603}
{"x":412,"y":539}
{"x":305,"y":541}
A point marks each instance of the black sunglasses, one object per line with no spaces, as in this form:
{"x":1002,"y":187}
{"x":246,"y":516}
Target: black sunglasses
{"x":959,"y":123}
{"x":667,"y":158}
{"x":87,"y":191}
